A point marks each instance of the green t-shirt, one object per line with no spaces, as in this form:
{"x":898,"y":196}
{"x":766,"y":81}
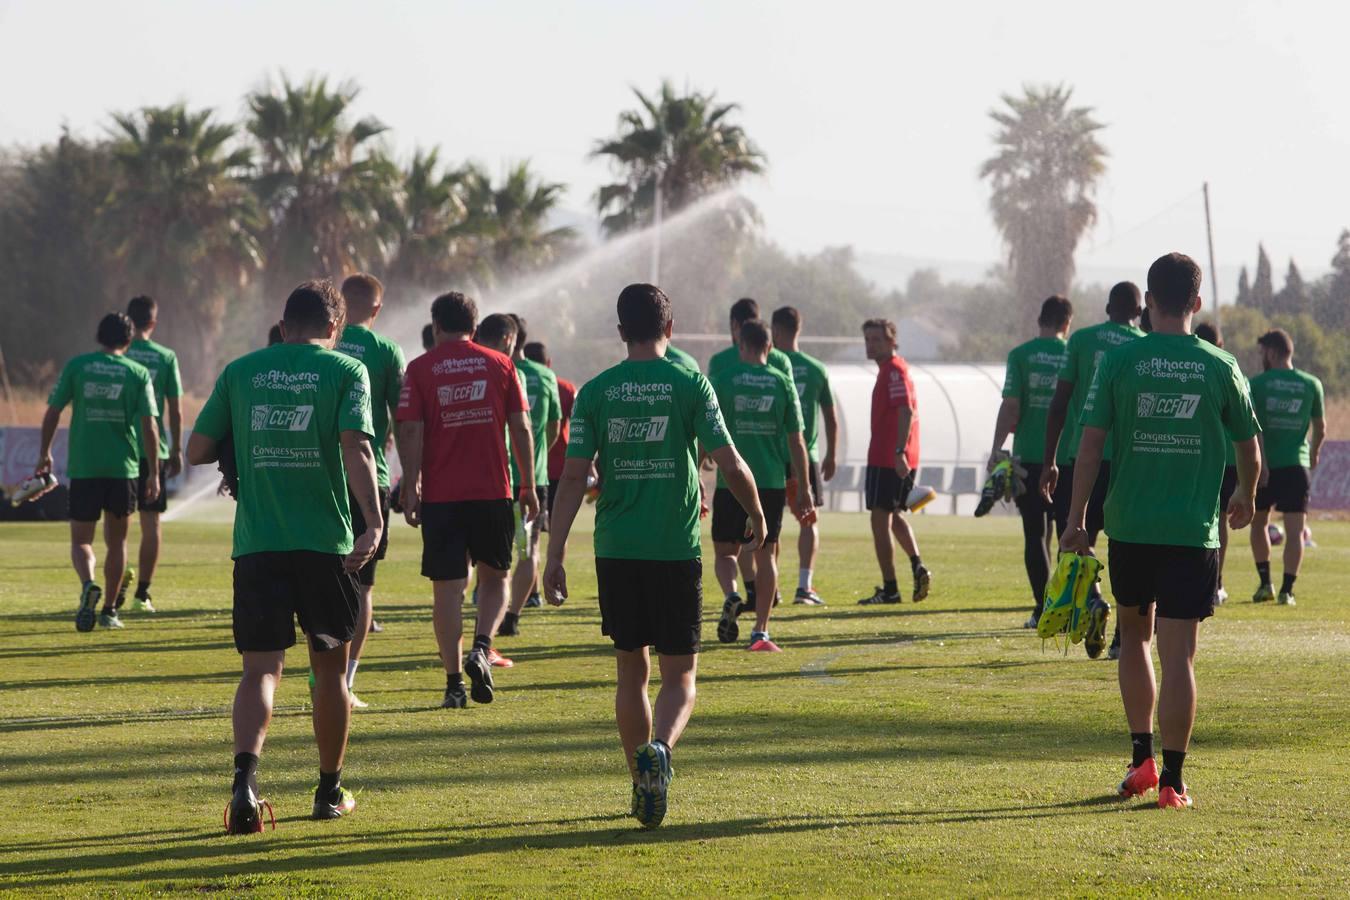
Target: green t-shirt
{"x":761,"y":409}
{"x":111,"y":394}
{"x":813,"y":390}
{"x":162,"y":364}
{"x":1171,"y":402}
{"x":1086,"y":348}
{"x":285,"y":407}
{"x":541,"y":392}
{"x":1286,"y":402}
{"x":680,"y":358}
{"x":384,"y":364}
{"x":725,"y":359}
{"x":1033,"y":370}
{"x":643,"y":419}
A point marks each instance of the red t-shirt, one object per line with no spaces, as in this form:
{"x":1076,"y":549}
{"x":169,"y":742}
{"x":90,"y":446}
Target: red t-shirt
{"x":462,"y":393}
{"x":557,"y":454}
{"x":892,"y":391}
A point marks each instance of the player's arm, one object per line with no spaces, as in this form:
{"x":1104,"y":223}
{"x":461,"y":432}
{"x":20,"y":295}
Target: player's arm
{"x":1085,"y":468}
{"x":1263,"y":474}
{"x":150,"y":449}
{"x":522,"y":447}
{"x":174,"y":407}
{"x":830,"y":421}
{"x":410,"y":457}
{"x":358,"y":458}
{"x":551,"y":432}
{"x":1009,"y":413}
{"x":906,"y":422}
{"x":50,"y":421}
{"x":202,"y":450}
{"x":741,"y":482}
{"x":800,"y":463}
{"x":1319,"y":435}
{"x":571,"y":491}
{"x":1054,"y":429}
{"x":1242,"y":506}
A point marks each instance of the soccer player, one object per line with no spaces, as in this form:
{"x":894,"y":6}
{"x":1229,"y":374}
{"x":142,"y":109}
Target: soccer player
{"x":162,"y":363}
{"x":537,"y":352}
{"x":640,"y":422}
{"x":892,"y":463}
{"x":1028,"y":386}
{"x":1086,"y":347}
{"x":541,"y":392}
{"x":112,"y":426}
{"x":383,"y":359}
{"x":813,"y":391}
{"x":1170,"y":401}
{"x":298,"y":417}
{"x":1210,"y":332}
{"x":764,"y":420}
{"x":459,"y":399}
{"x":1288,"y":402}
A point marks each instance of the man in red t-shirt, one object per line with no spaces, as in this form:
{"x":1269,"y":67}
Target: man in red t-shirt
{"x":892,"y":462}
{"x":458,"y":401}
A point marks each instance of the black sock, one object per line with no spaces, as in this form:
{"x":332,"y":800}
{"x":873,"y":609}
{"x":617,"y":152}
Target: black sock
{"x":1142,"y":745}
{"x":454,"y":680}
{"x":1263,"y":569}
{"x":509,"y":619}
{"x":482,"y":642}
{"x":142,"y":589}
{"x":328,"y":784}
{"x":914,"y":563}
{"x":1171,"y":770}
{"x":890,"y":587}
{"x":1287,"y":587}
{"x":245,"y":771}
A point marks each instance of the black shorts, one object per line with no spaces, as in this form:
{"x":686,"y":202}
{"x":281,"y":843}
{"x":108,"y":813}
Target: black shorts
{"x":1096,"y":508}
{"x":453,"y":533}
{"x":91,"y":497}
{"x":813,"y":475}
{"x":1228,"y":488}
{"x":366,"y":577}
{"x":1031,"y":503}
{"x":552,"y":494}
{"x":1287,"y":490}
{"x":651,"y":603}
{"x":544,"y":492}
{"x":272,"y":590}
{"x":729,"y":520}
{"x":884,"y":489}
{"x":161,"y":504}
{"x":1181,"y":580}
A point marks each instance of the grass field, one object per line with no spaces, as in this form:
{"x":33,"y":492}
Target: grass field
{"x":934,"y":749}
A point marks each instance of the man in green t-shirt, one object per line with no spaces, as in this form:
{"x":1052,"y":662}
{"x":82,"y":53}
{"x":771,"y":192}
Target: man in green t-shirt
{"x":1169,"y":402}
{"x":162,"y":363}
{"x":812,"y":382}
{"x":541,"y":389}
{"x":640,"y":422}
{"x":1028,"y":386}
{"x":363,"y":295}
{"x":1288,"y":404}
{"x":764,"y":420}
{"x":299,"y":420}
{"x":112,"y":425}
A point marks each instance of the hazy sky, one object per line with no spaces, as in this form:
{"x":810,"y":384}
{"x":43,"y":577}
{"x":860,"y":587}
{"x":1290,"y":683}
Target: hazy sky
{"x":874,"y":115}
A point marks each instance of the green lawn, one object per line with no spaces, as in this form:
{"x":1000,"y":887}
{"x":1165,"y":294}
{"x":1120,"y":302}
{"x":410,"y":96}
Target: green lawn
{"x":933,"y":749}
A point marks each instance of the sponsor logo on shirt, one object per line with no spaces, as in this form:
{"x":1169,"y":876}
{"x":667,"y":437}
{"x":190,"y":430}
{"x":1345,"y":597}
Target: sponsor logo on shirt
{"x":1175,"y":369}
{"x":295,"y":382}
{"x":276,"y":417}
{"x":457,"y":364}
{"x":1284,"y":404}
{"x":453,"y":394}
{"x":754,"y":404}
{"x":1168,"y":406}
{"x":110,"y":370}
{"x":1042,"y":380}
{"x":148,"y":358}
{"x":1166,"y":443}
{"x":639,"y":392}
{"x":347,"y":347}
{"x":1289,"y":387}
{"x":638,"y":431}
{"x":287,"y":458}
{"x":1046,"y":358}
{"x":643,"y":469}
{"x":94,"y":390}
{"x":1115,"y":338}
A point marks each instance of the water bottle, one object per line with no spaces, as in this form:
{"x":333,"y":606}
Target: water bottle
{"x":33,"y":488}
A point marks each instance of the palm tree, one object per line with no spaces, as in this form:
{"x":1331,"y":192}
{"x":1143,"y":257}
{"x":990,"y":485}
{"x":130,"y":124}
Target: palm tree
{"x":684,"y":145}
{"x":1044,"y":179}
{"x":182,"y":221}
{"x":438,"y":241}
{"x":331,"y":194}
{"x":512,"y":219}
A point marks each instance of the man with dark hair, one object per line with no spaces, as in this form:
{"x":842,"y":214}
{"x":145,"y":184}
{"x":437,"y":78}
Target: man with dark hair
{"x":892,"y":463}
{"x":764,"y":421}
{"x":459,"y":400}
{"x":1086,"y":347}
{"x":640,"y":422}
{"x":428,"y":337}
{"x":541,"y":393}
{"x":1027,"y":389}
{"x":1206,"y":331}
{"x":162,"y":363}
{"x":1288,"y":402}
{"x":383,"y":359}
{"x":298,"y":416}
{"x":1170,"y":401}
{"x":112,"y":426}
{"x":275,"y":336}
{"x":537,"y":352}
{"x":812,"y":382}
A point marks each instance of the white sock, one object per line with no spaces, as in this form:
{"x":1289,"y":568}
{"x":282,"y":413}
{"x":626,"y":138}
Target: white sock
{"x":351,"y":671}
{"x":804,"y":579}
